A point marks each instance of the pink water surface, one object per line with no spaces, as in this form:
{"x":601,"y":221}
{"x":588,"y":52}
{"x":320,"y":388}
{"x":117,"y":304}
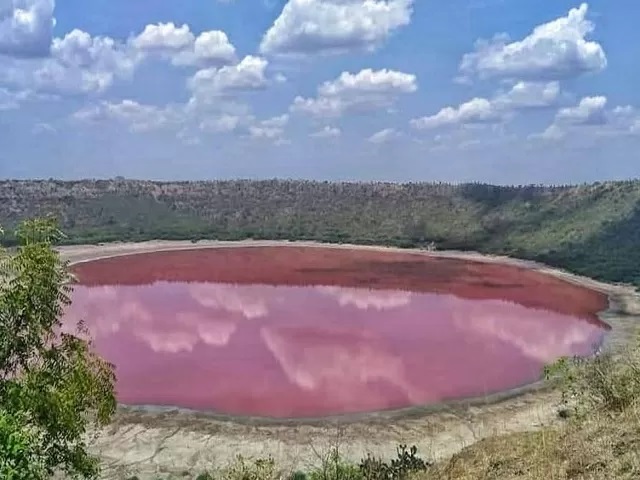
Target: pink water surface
{"x":316,"y":350}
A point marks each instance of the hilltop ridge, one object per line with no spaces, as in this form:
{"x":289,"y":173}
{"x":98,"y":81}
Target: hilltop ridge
{"x":591,"y":229}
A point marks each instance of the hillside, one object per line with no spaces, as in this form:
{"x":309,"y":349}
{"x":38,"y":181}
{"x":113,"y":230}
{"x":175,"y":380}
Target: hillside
{"x":590,"y":229}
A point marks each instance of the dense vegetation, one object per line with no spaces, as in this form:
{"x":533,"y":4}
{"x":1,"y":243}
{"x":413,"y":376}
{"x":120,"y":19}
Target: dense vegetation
{"x":52,"y":387}
{"x":589,"y":229}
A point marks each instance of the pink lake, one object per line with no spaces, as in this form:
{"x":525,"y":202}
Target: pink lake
{"x":288,"y":348}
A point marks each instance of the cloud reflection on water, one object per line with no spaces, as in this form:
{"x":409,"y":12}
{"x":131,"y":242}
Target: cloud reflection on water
{"x":321,"y":359}
{"x":365,"y":299}
{"x":523,"y":329}
{"x":249,"y":300}
{"x":322,"y":349}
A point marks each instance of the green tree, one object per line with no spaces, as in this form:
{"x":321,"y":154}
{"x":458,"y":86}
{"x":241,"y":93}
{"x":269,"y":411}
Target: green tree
{"x":53,"y":388}
{"x":21,"y":454}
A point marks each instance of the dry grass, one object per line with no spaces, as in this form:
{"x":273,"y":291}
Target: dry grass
{"x":598,"y":448}
{"x":601,"y":439}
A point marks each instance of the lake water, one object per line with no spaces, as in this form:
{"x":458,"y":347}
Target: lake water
{"x":306,"y":332}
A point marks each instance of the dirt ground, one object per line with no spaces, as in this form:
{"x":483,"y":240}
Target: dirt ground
{"x":151,"y":443}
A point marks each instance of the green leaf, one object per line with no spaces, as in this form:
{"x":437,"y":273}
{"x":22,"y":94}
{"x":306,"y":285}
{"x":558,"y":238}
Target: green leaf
{"x":53,"y":388}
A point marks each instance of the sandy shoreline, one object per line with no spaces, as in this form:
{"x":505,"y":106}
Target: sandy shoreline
{"x":148,"y":442}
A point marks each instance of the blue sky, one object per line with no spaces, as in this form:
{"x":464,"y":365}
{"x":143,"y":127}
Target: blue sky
{"x":502,"y":91}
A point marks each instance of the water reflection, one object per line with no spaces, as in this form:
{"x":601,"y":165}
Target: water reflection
{"x":365,"y":298}
{"x":286,"y":351}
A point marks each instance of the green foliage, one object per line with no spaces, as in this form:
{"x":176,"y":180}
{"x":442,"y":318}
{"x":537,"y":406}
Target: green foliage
{"x":204,"y":476}
{"x":245,"y":469}
{"x":589,"y":229}
{"x":52,"y":387}
{"x":407,"y":463}
{"x":298,"y":476}
{"x":21,"y":454}
{"x":334,"y":467}
{"x":606,"y":384}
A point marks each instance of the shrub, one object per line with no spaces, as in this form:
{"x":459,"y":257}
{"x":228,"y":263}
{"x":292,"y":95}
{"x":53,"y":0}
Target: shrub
{"x":406,"y":464}
{"x":334,"y":467}
{"x":21,"y":452}
{"x":52,"y":387}
{"x":246,"y":469}
{"x":605,"y":384}
{"x":204,"y":476}
{"x":298,"y":476}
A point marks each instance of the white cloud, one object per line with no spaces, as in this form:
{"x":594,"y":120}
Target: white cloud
{"x":12,"y":99}
{"x":327,"y":132}
{"x":43,"y":129}
{"x":212,"y":83}
{"x":277,"y":122}
{"x":183,"y":48}
{"x":82,"y":63}
{"x":553,"y":51}
{"x":221,"y":124}
{"x":521,"y":96}
{"x":590,"y":111}
{"x":591,"y":115}
{"x":187,"y":137}
{"x":26,"y":27}
{"x":271,"y":129}
{"x":270,"y":133}
{"x":334,"y":26}
{"x":475,"y":111}
{"x":213,"y":46}
{"x":383,"y":136}
{"x":81,"y":50}
{"x":79,"y":63}
{"x":624,"y":111}
{"x":138,"y":117}
{"x":365,"y":90}
{"x":625,"y":119}
{"x":164,"y":36}
{"x":369,"y":81}
{"x":552,"y":133}
{"x":319,"y":107}
{"x":529,"y":95}
{"x":8,"y":100}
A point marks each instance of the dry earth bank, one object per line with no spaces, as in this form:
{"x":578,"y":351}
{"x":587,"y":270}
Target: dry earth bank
{"x":148,"y":443}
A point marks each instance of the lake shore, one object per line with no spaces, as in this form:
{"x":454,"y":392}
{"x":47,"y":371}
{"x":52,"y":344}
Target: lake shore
{"x":148,"y":441}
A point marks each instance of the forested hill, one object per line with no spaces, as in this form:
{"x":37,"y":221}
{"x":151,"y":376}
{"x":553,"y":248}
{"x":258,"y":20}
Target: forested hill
{"x":590,"y":229}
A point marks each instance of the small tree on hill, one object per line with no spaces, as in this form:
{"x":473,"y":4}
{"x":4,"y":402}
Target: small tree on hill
{"x":52,"y":387}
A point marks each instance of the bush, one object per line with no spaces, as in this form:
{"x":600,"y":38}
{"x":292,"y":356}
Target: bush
{"x":204,"y":476}
{"x":406,"y":464}
{"x":298,"y":476}
{"x":334,"y":467}
{"x":605,"y":384}
{"x":245,"y":469}
{"x":52,"y":387}
{"x":21,"y":449}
